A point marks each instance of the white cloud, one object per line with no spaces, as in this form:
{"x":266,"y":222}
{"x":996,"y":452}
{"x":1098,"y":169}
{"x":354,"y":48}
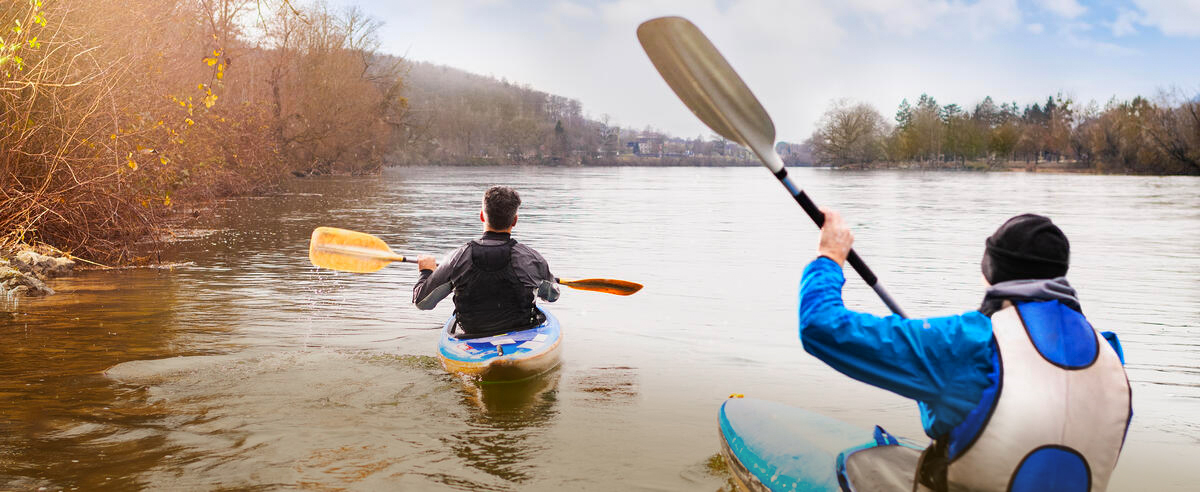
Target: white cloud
{"x":1035,"y":28}
{"x":1172,"y":17}
{"x":1065,"y":8}
{"x":913,"y":17}
{"x":571,"y":9}
{"x":1124,"y":23}
{"x":1075,"y":33}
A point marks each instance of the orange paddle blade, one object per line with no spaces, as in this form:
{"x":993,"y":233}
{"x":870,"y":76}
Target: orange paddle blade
{"x":349,"y":251}
{"x":606,"y":285}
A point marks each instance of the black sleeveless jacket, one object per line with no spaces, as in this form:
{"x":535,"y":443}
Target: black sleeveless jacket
{"x":489,"y":298}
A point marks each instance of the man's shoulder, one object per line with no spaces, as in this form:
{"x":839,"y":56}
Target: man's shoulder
{"x":971,"y":327}
{"x":526,"y":249}
{"x":457,"y":256}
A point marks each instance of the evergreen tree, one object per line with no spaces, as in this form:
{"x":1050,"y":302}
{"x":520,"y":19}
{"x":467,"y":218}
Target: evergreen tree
{"x":904,"y":115}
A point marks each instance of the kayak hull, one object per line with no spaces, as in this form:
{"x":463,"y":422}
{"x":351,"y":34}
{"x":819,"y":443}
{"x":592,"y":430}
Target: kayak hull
{"x":506,"y":357}
{"x":776,"y":447}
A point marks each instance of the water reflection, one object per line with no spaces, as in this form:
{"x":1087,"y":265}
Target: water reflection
{"x":504,"y":429}
{"x":341,"y":419}
{"x":61,"y":426}
{"x":607,"y":385}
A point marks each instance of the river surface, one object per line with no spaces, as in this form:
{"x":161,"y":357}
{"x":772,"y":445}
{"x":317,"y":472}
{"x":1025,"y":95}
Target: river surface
{"x":241,"y":366}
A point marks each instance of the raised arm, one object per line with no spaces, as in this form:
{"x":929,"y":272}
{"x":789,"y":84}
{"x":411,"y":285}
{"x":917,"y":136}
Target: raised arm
{"x":916,"y":358}
{"x":942,"y":362}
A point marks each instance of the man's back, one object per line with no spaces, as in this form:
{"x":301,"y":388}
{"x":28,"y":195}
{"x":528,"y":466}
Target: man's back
{"x":493,"y":279}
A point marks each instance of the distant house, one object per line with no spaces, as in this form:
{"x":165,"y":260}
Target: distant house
{"x":650,"y":146}
{"x":675,"y":147}
{"x":795,"y":154}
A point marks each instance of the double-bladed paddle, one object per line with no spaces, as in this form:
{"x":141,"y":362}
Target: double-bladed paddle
{"x":709,"y":86}
{"x":359,"y":252}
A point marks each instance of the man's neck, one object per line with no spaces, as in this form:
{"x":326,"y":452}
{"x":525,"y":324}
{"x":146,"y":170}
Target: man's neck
{"x":494,"y":234}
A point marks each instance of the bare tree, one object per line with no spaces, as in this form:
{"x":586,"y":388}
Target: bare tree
{"x":849,"y":133}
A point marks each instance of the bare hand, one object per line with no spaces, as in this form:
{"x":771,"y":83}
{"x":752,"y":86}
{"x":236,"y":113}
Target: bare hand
{"x":836,"y":238}
{"x":425,"y":262}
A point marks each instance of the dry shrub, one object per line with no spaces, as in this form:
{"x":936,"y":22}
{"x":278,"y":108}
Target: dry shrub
{"x":113,"y":111}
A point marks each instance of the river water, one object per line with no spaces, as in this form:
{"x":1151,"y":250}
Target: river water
{"x":241,"y":366}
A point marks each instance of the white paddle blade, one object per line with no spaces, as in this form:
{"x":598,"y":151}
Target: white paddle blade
{"x":708,"y":85}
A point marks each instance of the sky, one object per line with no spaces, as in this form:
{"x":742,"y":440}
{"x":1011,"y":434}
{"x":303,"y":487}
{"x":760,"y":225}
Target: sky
{"x":798,"y":56}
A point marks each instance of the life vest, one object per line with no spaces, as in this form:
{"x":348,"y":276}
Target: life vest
{"x":1056,"y":419}
{"x":489,"y":298}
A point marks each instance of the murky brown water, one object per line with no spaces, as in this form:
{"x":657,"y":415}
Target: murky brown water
{"x":245,"y":368}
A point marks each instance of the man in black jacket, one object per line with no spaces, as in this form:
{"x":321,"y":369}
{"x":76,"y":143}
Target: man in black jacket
{"x":493,"y":278}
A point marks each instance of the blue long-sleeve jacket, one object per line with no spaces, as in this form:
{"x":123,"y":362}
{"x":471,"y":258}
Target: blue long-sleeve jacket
{"x":943,"y":363}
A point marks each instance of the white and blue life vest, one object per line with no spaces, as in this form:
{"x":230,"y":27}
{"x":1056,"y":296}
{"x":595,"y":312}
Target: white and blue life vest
{"x":1057,"y":417}
{"x":1054,"y":421}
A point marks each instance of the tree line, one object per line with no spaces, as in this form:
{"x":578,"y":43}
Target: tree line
{"x":1139,"y":135}
{"x":460,"y":118}
{"x":113,"y":112}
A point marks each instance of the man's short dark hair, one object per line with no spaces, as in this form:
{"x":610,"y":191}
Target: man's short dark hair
{"x":500,"y":204}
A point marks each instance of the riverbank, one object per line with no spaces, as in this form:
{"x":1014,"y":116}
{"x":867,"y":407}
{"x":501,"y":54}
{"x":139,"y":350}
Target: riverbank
{"x":1055,"y":167}
{"x":1058,"y":167}
{"x":112,"y":131}
{"x":24,"y":269}
{"x":1137,"y":136}
{"x":626,"y":160}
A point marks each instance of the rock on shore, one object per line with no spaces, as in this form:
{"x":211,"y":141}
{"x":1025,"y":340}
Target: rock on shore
{"x":25,"y":273}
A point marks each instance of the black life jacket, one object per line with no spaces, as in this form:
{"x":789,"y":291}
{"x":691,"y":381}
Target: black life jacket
{"x":489,"y":298}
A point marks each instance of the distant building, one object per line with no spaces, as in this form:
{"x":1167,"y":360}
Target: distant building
{"x":649,"y":146}
{"x":795,"y":154}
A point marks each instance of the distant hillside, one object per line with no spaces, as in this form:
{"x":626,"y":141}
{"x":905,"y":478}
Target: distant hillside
{"x":460,"y":118}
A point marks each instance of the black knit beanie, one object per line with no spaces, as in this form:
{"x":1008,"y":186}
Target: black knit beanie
{"x":1027,"y":246}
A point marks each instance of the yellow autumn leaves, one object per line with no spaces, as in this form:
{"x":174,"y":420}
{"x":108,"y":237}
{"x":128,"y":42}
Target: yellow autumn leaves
{"x":215,"y":61}
{"x":207,"y":97}
{"x":132,"y":164}
{"x":166,"y":201}
{"x":10,"y":48}
{"x":209,"y":100}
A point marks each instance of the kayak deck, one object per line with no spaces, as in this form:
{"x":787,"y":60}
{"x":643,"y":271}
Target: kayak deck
{"x":506,"y":357}
{"x":772,"y":446}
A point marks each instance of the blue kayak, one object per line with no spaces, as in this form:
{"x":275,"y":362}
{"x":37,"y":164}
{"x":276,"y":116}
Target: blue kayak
{"x":772,"y":446}
{"x":506,"y":357}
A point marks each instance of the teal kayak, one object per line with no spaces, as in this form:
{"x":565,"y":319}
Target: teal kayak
{"x":777,"y":447}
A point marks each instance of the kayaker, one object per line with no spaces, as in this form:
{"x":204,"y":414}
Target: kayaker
{"x":493,"y":278}
{"x":1019,"y":394}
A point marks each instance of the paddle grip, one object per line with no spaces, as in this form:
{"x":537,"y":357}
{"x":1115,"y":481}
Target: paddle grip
{"x":852,"y":257}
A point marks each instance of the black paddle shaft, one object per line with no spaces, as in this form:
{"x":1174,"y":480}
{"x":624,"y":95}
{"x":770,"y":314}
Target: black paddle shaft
{"x":856,"y":261}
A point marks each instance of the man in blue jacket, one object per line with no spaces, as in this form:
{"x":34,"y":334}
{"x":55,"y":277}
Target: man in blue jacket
{"x":1020,"y":394}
